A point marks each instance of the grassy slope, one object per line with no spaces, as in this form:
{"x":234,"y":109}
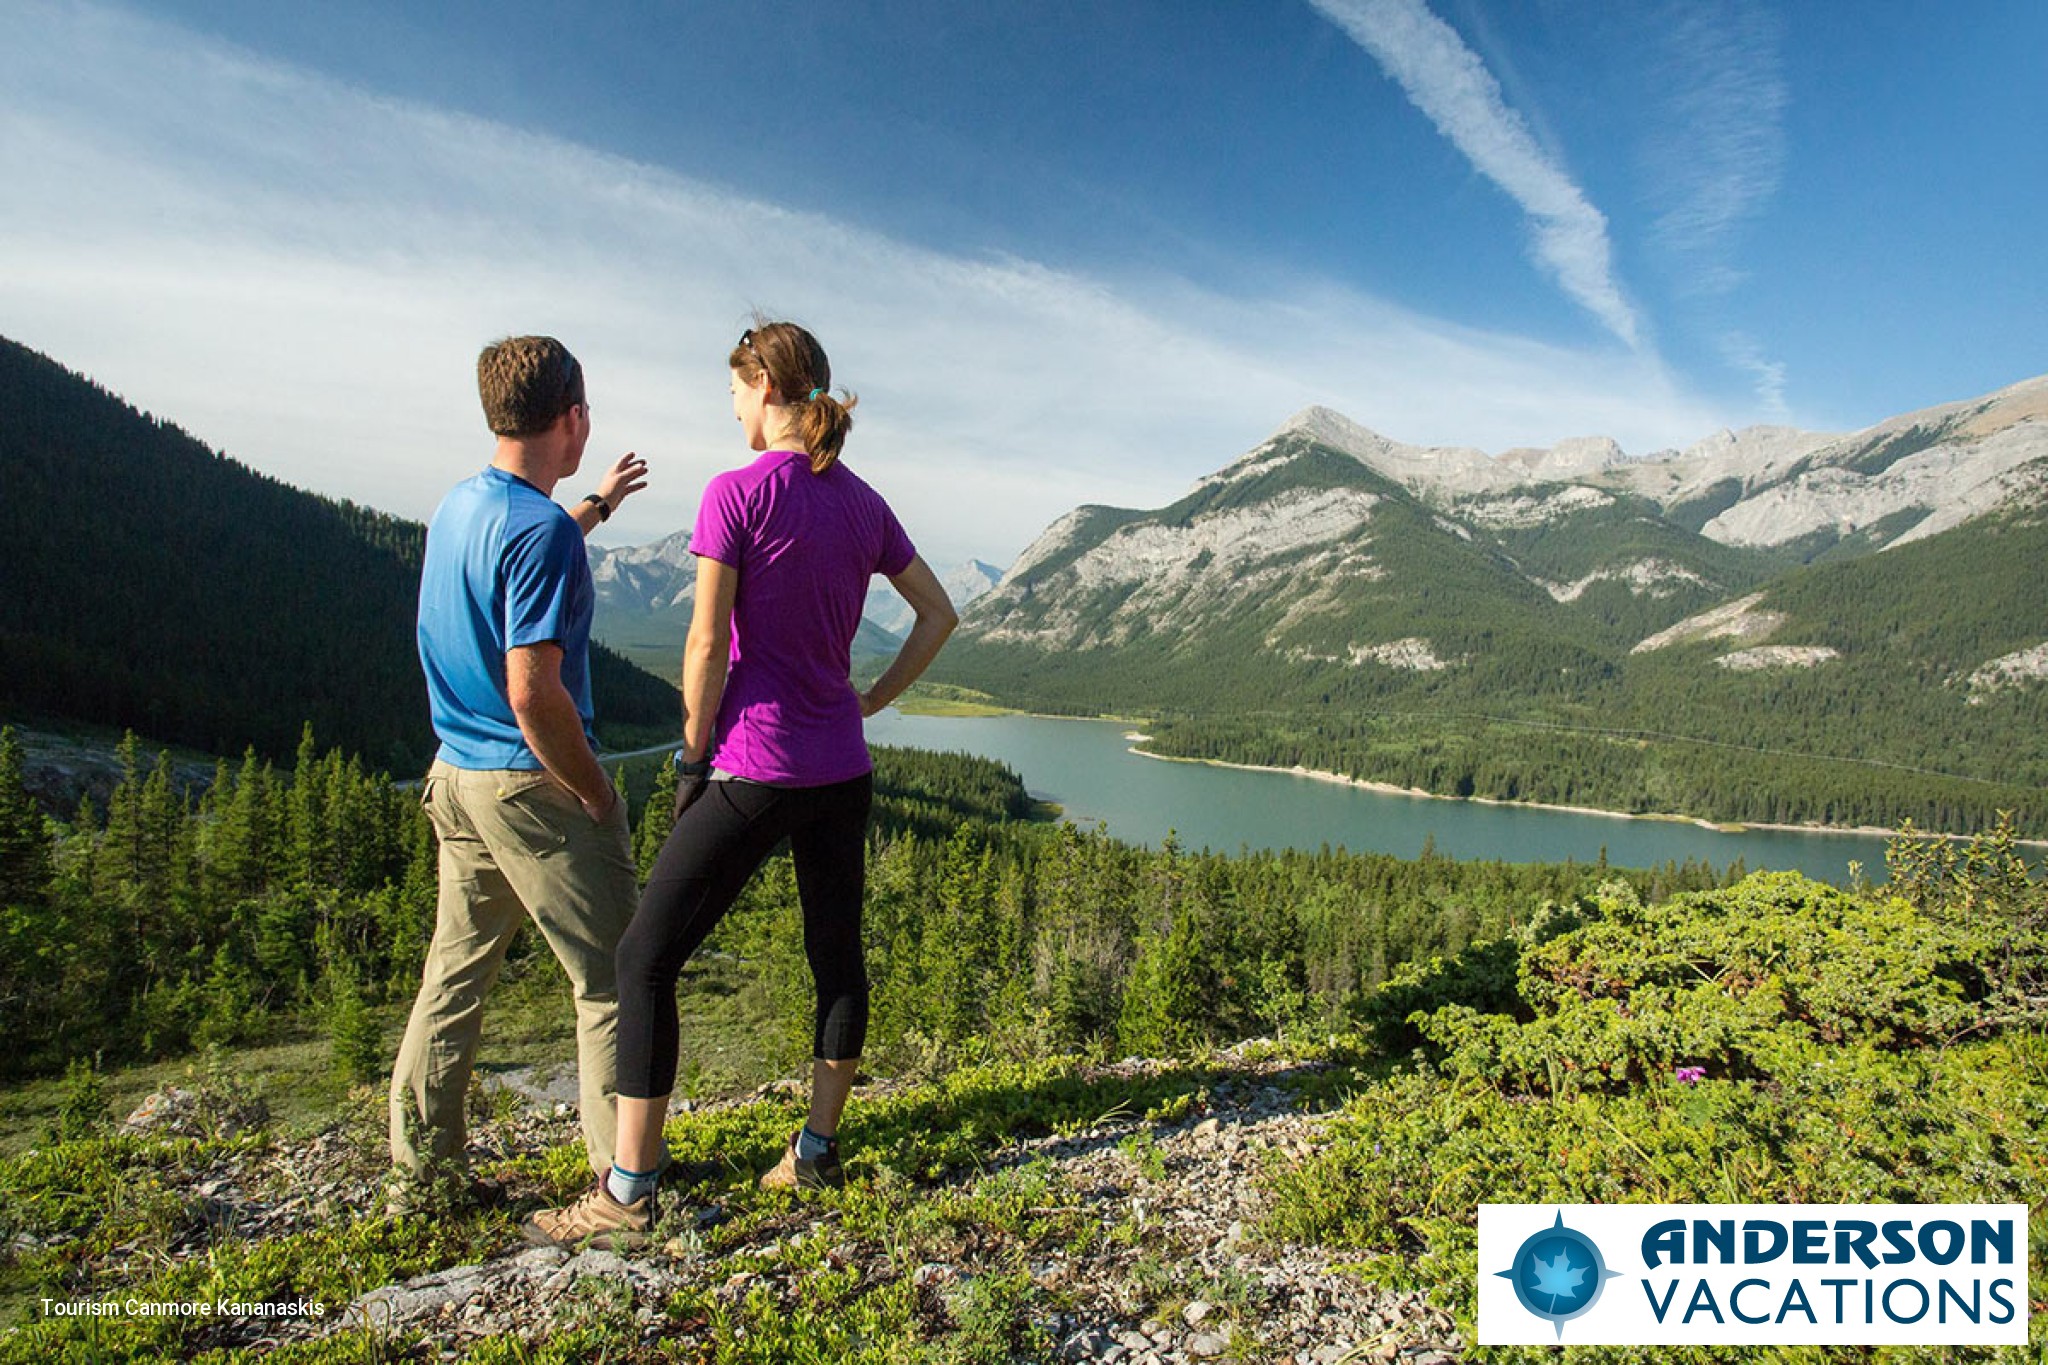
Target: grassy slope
{"x":1854,"y":1050}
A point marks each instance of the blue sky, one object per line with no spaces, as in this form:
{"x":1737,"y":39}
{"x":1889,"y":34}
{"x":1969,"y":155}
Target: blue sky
{"x":1065,"y":252}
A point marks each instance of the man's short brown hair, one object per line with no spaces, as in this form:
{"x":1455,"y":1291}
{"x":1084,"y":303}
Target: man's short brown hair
{"x":526,"y":383}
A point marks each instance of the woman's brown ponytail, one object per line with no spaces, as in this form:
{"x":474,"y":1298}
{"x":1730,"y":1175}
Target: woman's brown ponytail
{"x":797,"y":366}
{"x":823,"y":422}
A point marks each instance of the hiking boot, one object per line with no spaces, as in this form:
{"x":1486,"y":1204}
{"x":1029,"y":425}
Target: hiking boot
{"x":597,"y":1220}
{"x":795,"y":1173}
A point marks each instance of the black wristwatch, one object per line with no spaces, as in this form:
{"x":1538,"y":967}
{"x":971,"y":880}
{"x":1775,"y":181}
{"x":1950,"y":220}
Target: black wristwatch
{"x":604,"y":509}
{"x":685,"y":768}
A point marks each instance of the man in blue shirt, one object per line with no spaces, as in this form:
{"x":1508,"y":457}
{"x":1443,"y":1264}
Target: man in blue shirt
{"x":529,"y":825}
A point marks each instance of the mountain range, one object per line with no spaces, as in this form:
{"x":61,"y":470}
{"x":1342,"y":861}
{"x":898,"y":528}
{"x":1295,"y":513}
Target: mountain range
{"x":1757,"y":589}
{"x":645,"y":594}
{"x":1770,"y":624}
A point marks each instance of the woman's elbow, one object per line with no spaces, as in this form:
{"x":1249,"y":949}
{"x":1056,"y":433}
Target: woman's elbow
{"x":705,"y":646}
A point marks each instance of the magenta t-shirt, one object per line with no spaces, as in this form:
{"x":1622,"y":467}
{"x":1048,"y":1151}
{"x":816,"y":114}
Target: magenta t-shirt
{"x":805,"y":546}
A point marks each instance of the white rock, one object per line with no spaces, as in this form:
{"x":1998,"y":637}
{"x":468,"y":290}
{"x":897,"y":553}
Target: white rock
{"x":1777,"y":656}
{"x":1738,"y":620}
{"x":2009,"y":670}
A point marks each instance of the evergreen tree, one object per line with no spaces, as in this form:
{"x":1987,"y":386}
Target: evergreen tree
{"x":24,"y":833}
{"x":657,"y":819}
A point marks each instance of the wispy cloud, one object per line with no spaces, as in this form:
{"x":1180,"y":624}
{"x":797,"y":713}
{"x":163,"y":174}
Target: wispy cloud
{"x":1743,"y":352}
{"x":1714,"y":157}
{"x":1718,"y":155}
{"x":301,"y":272}
{"x":1447,"y":81}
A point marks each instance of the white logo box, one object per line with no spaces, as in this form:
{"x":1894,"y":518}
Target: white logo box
{"x":1761,"y":1274}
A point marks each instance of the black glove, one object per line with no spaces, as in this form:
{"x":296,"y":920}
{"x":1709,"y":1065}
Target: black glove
{"x":691,"y":780}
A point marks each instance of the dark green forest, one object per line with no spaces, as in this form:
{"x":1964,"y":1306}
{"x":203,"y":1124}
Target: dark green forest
{"x":156,"y":585}
{"x":1639,"y":773}
{"x":306,"y":894}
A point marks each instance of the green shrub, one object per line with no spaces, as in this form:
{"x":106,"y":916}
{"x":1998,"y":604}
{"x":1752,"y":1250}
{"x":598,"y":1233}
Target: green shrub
{"x":1721,"y":980}
{"x":83,"y":1113}
{"x":1849,"y":1047}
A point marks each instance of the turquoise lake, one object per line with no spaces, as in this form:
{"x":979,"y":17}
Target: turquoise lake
{"x":1087,"y":767}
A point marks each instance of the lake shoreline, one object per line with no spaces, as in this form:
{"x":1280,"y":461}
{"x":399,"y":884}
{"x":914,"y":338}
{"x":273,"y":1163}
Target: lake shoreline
{"x":1700,"y":822}
{"x":1387,"y":788}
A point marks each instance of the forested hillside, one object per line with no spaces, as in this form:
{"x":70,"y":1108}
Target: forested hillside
{"x":156,"y":585}
{"x":1551,"y":642}
{"x":162,"y":923}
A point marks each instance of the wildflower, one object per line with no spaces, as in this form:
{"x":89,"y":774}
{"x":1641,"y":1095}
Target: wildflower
{"x":1689,"y":1075}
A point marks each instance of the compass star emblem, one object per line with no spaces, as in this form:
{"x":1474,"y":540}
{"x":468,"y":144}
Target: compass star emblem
{"x":1558,"y":1274}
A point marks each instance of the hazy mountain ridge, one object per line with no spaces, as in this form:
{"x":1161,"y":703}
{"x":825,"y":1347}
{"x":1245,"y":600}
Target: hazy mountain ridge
{"x":659,"y":576}
{"x":646,"y":594}
{"x":963,"y":583}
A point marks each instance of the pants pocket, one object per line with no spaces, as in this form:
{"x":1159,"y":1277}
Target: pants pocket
{"x":535,"y":810}
{"x":433,"y":803}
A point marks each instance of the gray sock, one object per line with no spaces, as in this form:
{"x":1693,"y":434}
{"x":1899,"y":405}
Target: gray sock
{"x":809,"y":1146}
{"x":630,"y":1187}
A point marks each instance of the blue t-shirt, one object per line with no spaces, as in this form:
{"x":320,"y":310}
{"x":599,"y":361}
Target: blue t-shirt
{"x":505,"y":567}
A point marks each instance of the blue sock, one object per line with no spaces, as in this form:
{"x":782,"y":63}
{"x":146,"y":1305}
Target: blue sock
{"x":809,"y":1146}
{"x":630,"y":1187}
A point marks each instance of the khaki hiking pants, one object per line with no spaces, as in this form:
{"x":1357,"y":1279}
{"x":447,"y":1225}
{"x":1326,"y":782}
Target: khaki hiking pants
{"x":514,"y":845}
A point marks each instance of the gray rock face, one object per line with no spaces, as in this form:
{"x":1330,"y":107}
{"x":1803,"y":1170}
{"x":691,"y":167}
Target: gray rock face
{"x":963,"y":583}
{"x":509,"y":1286}
{"x":1951,"y":462}
{"x":639,"y":579}
{"x":1948,"y":463}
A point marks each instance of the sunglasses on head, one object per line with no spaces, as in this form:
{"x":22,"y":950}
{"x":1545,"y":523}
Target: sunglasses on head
{"x":572,"y":384}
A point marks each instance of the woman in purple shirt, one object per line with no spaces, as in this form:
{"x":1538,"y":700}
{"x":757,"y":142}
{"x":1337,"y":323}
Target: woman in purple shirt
{"x":772,"y":749}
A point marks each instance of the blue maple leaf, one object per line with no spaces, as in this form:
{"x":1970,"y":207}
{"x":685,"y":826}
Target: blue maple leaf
{"x":1557,"y":1277}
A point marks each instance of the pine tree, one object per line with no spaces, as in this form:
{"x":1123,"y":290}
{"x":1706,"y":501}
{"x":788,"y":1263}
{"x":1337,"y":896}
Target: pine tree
{"x":120,"y":859}
{"x":305,"y":819}
{"x":24,"y":833}
{"x":656,"y":820}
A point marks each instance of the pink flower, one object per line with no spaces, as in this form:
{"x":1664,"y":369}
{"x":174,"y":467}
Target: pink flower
{"x":1689,"y":1075}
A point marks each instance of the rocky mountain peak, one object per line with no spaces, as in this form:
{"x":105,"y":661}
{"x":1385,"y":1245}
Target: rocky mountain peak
{"x":1327,"y":426}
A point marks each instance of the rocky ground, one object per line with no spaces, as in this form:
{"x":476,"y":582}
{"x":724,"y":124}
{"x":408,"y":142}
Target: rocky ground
{"x":1180,"y":1271}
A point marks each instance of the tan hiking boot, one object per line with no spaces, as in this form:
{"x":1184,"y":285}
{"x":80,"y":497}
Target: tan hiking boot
{"x":795,"y":1173}
{"x":597,"y":1220}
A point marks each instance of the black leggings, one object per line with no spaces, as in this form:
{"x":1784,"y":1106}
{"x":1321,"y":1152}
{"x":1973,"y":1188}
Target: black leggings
{"x":724,"y":835}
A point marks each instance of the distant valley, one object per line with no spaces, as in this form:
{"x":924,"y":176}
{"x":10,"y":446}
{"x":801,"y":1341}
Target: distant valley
{"x":645,"y":594}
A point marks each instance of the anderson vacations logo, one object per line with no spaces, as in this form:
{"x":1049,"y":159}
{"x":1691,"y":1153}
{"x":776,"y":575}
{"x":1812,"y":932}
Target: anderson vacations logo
{"x":1753,"y":1274}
